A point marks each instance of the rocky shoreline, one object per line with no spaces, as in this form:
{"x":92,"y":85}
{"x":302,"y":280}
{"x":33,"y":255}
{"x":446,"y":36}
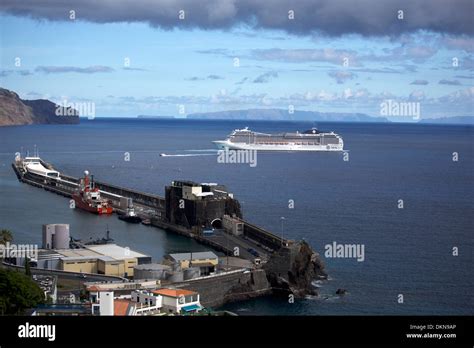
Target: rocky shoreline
{"x":290,"y":271}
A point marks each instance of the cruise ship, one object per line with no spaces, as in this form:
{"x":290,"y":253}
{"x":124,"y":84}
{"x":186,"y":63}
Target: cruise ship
{"x":310,"y":140}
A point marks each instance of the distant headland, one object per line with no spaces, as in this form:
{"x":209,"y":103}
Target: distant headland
{"x":285,"y":115}
{"x":15,"y":111}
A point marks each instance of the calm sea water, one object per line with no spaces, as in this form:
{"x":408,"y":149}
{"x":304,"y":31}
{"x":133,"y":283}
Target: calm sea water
{"x":407,"y":251}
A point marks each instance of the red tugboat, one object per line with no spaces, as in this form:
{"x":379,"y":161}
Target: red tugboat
{"x":88,"y":197}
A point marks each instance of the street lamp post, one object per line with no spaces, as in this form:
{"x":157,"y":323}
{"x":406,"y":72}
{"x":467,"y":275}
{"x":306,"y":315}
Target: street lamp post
{"x":227,"y":247}
{"x":281,"y":220}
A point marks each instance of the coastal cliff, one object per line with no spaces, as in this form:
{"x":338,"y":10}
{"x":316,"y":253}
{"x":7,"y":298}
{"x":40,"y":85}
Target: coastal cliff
{"x":291,"y":270}
{"x":14,"y":111}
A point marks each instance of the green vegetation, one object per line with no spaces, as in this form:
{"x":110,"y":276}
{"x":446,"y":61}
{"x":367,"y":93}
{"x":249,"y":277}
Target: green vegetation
{"x":18,"y":292}
{"x":5,"y":236}
{"x":83,"y":295}
{"x":27,"y":267}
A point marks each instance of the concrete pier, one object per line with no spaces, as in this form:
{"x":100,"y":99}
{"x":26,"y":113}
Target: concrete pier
{"x":278,"y":264}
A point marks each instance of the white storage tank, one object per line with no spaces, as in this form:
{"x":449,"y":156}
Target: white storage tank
{"x":48,"y":232}
{"x":56,"y":236}
{"x":151,"y":271}
{"x":61,"y":236}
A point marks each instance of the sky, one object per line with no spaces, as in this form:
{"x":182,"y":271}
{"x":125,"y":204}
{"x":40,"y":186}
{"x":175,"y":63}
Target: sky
{"x":146,"y":57}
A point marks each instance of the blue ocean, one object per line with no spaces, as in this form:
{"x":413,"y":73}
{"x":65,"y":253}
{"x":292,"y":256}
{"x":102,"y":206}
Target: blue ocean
{"x":408,"y":251}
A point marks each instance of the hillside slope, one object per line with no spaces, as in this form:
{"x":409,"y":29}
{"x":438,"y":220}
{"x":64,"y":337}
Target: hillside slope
{"x":15,"y":111}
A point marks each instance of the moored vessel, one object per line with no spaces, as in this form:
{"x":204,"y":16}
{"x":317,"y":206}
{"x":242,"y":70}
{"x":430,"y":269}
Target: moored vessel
{"x":130,"y":216}
{"x":88,"y":197}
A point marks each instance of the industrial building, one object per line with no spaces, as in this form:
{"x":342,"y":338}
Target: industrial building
{"x":191,"y":204}
{"x":206,"y":261}
{"x":233,"y":225}
{"x":108,"y":259}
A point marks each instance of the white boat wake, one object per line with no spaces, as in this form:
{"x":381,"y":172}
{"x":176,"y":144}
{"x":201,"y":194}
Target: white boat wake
{"x":203,"y":150}
{"x":187,"y":155}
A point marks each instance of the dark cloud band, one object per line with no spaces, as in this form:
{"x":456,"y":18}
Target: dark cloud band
{"x":330,"y":17}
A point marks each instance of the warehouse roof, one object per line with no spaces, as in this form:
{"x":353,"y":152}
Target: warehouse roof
{"x":104,"y":252}
{"x":77,"y":253}
{"x":115,"y":251}
{"x":78,"y":258}
{"x":195,"y":256}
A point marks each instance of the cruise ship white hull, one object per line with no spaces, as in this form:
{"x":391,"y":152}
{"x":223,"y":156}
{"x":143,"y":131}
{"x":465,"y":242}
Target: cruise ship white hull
{"x":223,"y":145}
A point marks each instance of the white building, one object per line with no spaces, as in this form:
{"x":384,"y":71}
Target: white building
{"x":144,"y":302}
{"x":103,"y":303}
{"x":179,"y":301}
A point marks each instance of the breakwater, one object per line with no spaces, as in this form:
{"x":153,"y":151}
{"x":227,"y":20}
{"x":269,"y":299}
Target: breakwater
{"x":280,"y":266}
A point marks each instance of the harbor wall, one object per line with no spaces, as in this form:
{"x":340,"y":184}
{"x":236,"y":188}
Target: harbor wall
{"x":264,"y":237}
{"x":154,"y":201}
{"x":215,"y":292}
